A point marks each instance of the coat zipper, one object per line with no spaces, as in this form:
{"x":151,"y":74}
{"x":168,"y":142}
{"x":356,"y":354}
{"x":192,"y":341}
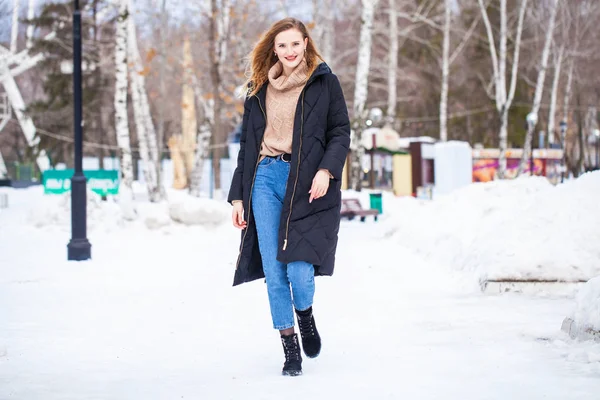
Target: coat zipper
{"x":251,"y":190}
{"x":287,"y":228}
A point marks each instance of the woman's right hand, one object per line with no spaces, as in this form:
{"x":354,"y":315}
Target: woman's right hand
{"x":237,"y":215}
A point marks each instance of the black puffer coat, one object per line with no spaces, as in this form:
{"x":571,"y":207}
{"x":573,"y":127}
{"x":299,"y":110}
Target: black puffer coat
{"x":307,"y":231}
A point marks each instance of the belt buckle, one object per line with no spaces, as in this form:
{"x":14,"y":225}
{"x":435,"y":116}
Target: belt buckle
{"x":281,"y":156}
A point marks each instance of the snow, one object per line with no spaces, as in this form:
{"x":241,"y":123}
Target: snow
{"x":198,"y":211}
{"x":154,"y":315}
{"x":524,"y":229}
{"x":587,"y":309}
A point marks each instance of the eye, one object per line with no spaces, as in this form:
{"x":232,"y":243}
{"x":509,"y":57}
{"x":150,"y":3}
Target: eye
{"x":281,"y":46}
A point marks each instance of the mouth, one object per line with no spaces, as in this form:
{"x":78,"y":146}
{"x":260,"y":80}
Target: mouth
{"x":291,"y":58}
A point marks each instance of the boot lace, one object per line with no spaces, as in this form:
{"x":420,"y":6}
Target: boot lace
{"x":292,"y":349}
{"x":306,"y":326}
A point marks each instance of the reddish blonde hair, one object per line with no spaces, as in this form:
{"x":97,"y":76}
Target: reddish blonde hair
{"x":262,"y":57}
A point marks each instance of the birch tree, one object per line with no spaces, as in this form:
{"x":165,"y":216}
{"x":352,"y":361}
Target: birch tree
{"x":422,"y":17}
{"x":539,"y":89}
{"x":324,"y":32}
{"x":30,"y":27}
{"x":203,"y":140}
{"x":360,"y":90}
{"x":565,"y":116}
{"x":445,"y":73}
{"x":15,"y":26}
{"x":121,"y":116}
{"x":503,"y":97}
{"x":328,"y":40}
{"x":558,"y":60}
{"x":161,"y":110}
{"x":393,"y":62}
{"x":143,"y":120}
{"x":220,"y":11}
{"x":211,"y":133}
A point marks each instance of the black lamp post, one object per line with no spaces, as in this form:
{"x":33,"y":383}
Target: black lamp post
{"x":79,"y":248}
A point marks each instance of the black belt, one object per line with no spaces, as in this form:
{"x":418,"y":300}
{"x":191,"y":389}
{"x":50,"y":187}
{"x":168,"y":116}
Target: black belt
{"x":285,"y":157}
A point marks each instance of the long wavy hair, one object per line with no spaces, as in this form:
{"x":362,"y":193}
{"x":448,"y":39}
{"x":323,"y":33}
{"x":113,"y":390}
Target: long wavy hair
{"x":262,"y":57}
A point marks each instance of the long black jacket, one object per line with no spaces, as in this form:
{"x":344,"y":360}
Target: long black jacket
{"x":321,"y":139}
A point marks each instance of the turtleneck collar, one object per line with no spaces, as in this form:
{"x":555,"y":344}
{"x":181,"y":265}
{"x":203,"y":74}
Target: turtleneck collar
{"x":297,"y":78}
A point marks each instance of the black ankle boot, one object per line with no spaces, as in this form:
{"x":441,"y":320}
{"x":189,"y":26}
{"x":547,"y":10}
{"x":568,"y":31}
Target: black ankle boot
{"x":293,"y":359}
{"x":311,"y":341}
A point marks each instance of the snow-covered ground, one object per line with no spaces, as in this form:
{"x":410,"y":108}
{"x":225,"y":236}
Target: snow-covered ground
{"x":524,"y":229}
{"x":154,"y":315}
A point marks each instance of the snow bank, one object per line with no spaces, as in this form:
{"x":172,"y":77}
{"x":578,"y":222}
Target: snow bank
{"x":587,"y":309}
{"x":55,"y":211}
{"x":522,"y":229}
{"x":191,"y":210}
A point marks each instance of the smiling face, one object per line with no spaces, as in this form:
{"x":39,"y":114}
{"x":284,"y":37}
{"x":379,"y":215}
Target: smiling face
{"x":289,"y":47}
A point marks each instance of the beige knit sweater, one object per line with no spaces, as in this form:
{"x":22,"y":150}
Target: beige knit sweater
{"x":282,"y":98}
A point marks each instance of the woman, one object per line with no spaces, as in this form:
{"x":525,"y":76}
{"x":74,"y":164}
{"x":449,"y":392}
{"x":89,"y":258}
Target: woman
{"x":285,"y":190}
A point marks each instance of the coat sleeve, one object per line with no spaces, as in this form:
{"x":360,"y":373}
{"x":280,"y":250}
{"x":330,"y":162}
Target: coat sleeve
{"x":235,"y":191}
{"x":338,"y":131}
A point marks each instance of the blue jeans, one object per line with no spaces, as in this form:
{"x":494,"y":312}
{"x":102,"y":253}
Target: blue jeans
{"x":267,"y":200}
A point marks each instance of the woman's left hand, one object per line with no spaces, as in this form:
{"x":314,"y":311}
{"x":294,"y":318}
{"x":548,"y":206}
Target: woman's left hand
{"x":320,"y":184}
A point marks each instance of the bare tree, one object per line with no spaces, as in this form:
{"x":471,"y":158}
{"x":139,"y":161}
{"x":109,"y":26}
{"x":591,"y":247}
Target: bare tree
{"x":217,"y":49}
{"x":503,"y":98}
{"x":15,"y":26}
{"x":393,"y":61}
{"x":445,"y":72}
{"x":360,"y":90}
{"x":121,"y":116}
{"x":143,"y":119}
{"x":323,"y":19}
{"x":558,"y":60}
{"x":539,"y":88}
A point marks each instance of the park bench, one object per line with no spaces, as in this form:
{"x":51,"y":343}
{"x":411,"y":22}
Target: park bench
{"x":351,"y":208}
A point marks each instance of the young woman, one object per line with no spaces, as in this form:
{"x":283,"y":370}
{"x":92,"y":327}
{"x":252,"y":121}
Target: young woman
{"x":286,"y":187}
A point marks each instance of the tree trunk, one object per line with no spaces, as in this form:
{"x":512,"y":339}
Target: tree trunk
{"x":121,"y":116}
{"x":14,"y":35}
{"x":328,"y":38}
{"x":539,"y":90}
{"x":200,"y":156}
{"x":580,"y":137}
{"x":393,"y":63}
{"x":204,"y":137}
{"x":360,"y":90}
{"x":30,"y":27}
{"x":143,"y":121}
{"x":18,"y":106}
{"x":553,"y":97}
{"x":3,"y":170}
{"x":215,"y":49}
{"x":445,"y":73}
{"x":163,"y":94}
{"x":189,"y":123}
{"x":565,"y":118}
{"x":98,"y":115}
{"x":503,"y":143}
{"x":503,"y":99}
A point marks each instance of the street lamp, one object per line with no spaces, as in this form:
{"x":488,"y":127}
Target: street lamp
{"x":531,"y":121}
{"x":563,"y":133}
{"x":597,"y":135}
{"x":79,"y":248}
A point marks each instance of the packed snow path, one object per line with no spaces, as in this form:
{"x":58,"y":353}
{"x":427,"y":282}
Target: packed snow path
{"x":154,"y":316}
